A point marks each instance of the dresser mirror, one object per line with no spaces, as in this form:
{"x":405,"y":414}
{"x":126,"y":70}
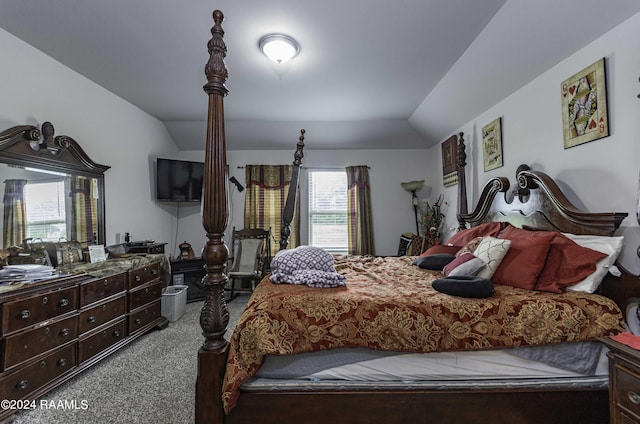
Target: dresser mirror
{"x":52,"y":190}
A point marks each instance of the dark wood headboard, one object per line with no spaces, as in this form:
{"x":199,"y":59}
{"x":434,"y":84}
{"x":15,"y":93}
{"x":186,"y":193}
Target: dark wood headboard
{"x":533,"y":201}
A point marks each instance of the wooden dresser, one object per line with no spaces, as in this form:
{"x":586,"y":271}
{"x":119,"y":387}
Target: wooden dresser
{"x":53,"y":331}
{"x":624,"y":383}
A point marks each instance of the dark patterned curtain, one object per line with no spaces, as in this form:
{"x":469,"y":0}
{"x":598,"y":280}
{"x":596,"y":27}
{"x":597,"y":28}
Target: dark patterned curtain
{"x":83,"y":194}
{"x":267,"y":188}
{"x":359,"y":222}
{"x":14,"y":220}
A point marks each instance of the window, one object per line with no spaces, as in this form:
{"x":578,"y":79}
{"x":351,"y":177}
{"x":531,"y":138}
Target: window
{"x":328,"y":210}
{"x":45,"y":210}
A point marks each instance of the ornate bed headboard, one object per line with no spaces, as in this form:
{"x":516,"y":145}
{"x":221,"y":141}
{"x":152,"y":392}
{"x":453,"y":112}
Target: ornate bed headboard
{"x":533,"y":201}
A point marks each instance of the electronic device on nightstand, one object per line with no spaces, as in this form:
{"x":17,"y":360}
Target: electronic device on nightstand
{"x":146,"y":246}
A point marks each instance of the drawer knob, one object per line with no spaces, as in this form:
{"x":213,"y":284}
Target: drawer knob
{"x":137,"y":278}
{"x":45,"y":300}
{"x":22,"y":384}
{"x":64,"y":302}
{"x":47,"y":330}
{"x":634,"y":398}
{"x":116,"y":333}
{"x":43,"y":364}
{"x":62,"y":362}
{"x":65,"y":332}
{"x":25,"y":314}
{"x":138,"y":321}
{"x":91,"y":319}
{"x":154,"y":271}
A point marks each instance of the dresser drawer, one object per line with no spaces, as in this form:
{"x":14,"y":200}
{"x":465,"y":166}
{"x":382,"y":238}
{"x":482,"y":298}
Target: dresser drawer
{"x":143,"y":317}
{"x":143,"y":295}
{"x":21,"y":383}
{"x":95,"y":343}
{"x":23,"y":346}
{"x":103,"y":313}
{"x":102,"y":288}
{"x":628,"y":388}
{"x":143,"y":275}
{"x":24,"y":313}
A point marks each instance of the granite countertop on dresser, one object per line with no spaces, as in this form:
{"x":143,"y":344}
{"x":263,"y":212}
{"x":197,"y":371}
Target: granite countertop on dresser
{"x":120,"y":264}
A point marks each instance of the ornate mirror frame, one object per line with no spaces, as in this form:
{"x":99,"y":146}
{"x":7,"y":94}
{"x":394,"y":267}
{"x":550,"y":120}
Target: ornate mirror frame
{"x":28,"y":146}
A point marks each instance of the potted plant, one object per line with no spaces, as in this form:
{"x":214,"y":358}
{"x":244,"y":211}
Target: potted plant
{"x":431,"y":222}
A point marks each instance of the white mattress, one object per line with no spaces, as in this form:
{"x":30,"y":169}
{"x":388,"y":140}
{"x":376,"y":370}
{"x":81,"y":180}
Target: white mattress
{"x":475,"y":367}
{"x":495,"y":364}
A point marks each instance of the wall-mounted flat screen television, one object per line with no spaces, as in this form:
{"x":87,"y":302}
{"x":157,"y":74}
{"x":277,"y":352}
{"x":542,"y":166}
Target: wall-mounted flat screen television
{"x":178,"y":180}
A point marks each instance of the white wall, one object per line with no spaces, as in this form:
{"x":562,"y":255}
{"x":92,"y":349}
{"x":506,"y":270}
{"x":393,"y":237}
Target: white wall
{"x":35,"y":88}
{"x":392,"y":208}
{"x":600,"y":176}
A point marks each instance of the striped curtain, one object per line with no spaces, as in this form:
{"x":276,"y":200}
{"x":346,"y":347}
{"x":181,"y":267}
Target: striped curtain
{"x":83,"y":193}
{"x":14,"y":220}
{"x":267,"y":188}
{"x":359,"y":221}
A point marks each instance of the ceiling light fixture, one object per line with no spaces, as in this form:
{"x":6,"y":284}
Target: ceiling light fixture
{"x":279,"y":47}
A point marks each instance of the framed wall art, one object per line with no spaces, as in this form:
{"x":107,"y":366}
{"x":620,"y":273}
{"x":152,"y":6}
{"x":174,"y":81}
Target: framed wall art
{"x":584,"y":106}
{"x":449,"y":165}
{"x":492,"y":145}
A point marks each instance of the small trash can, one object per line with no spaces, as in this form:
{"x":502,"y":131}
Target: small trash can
{"x":174,"y":302}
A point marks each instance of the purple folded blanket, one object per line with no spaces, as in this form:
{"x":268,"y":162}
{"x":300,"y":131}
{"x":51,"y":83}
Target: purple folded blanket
{"x":306,"y":265}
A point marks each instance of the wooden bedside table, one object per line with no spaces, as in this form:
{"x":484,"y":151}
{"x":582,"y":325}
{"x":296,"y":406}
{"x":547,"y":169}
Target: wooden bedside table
{"x":624,"y":383}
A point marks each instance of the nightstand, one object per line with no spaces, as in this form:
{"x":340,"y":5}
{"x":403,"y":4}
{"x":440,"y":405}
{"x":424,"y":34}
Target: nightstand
{"x":189,"y":272}
{"x":624,"y":383}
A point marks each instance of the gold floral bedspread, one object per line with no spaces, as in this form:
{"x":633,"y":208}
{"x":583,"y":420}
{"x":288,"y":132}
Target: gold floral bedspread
{"x":389,"y":304}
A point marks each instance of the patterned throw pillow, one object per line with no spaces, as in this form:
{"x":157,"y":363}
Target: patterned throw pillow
{"x":492,"y":251}
{"x":470,"y":247}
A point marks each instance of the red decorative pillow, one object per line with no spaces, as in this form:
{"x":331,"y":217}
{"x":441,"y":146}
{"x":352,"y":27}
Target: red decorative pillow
{"x":567,"y":264}
{"x":463,"y":237}
{"x":441,"y":248}
{"x":525,"y":259}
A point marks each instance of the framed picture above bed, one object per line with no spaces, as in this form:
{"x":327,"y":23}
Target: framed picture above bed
{"x":449,"y":167}
{"x":492,"y":145}
{"x":584,"y":106}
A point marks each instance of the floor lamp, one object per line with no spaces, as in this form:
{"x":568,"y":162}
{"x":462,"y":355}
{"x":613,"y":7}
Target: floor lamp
{"x":412,"y":187}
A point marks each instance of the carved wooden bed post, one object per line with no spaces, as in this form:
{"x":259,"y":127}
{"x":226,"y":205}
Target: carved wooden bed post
{"x":214,"y":316}
{"x":461,"y":159}
{"x":290,"y":204}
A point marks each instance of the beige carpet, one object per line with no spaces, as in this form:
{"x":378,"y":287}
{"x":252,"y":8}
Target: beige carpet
{"x":150,"y":381}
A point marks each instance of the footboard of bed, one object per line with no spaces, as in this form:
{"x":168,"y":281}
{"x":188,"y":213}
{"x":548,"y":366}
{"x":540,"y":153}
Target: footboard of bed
{"x":479,"y":407}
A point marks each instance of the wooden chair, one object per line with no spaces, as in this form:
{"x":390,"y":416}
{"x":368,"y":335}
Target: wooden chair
{"x":250,"y":254}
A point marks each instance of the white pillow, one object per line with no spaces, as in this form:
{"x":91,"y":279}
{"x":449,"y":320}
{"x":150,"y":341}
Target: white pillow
{"x":492,"y":251}
{"x":612,"y":246}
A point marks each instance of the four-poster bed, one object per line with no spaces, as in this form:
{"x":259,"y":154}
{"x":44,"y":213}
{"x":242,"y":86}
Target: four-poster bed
{"x":537,"y":204}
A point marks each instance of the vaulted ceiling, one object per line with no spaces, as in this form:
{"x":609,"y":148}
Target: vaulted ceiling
{"x":370,"y":74}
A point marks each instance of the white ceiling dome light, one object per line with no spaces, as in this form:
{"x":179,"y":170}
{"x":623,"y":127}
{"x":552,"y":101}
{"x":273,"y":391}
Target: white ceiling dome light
{"x":279,"y":48}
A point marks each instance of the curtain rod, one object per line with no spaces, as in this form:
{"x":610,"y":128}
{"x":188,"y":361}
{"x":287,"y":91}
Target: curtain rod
{"x":317,"y":167}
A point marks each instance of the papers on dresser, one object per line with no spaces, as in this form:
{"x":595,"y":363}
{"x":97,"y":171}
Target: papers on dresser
{"x":26,"y":273}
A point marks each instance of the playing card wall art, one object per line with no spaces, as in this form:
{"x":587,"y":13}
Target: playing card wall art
{"x":584,"y":106}
{"x":492,"y":145}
